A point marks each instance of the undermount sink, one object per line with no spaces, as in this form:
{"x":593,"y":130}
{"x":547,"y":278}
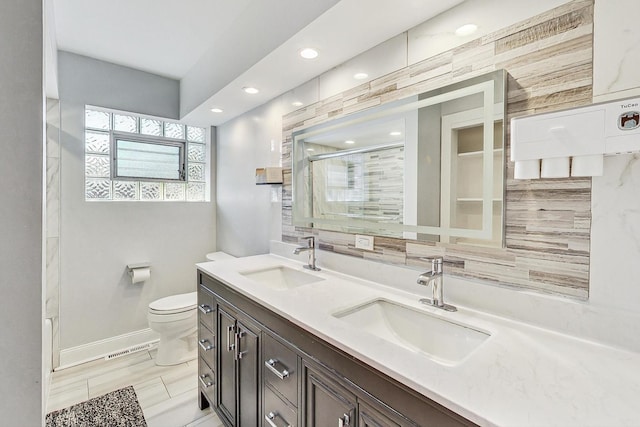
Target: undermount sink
{"x":281,"y":277}
{"x":443,"y":341}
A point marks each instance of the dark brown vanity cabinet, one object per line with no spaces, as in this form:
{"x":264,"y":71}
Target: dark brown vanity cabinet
{"x":266,"y":371}
{"x":238,"y":376}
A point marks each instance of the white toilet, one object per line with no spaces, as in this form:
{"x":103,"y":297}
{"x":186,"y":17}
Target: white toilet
{"x":175,"y":318}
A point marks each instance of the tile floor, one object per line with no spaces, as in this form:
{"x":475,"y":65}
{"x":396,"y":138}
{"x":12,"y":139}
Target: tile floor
{"x":168,"y":395}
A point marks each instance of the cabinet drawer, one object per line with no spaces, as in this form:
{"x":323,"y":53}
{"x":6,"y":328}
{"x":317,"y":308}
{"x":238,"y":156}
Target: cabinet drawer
{"x":207,"y":381}
{"x":206,"y":308}
{"x":276,"y":411}
{"x":280,"y":368}
{"x":207,"y":344}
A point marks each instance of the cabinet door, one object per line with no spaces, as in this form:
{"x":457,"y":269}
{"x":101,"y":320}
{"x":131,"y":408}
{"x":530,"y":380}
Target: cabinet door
{"x":227,"y":365}
{"x":370,"y":417}
{"x":327,"y":404}
{"x":248,"y":371}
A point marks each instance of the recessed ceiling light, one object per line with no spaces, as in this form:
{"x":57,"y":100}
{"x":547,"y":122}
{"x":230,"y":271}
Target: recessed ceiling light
{"x":395,"y":133}
{"x":360,"y":76}
{"x":250,"y":90}
{"x":297,"y":104}
{"x":216,"y":110}
{"x":309,"y":53}
{"x":466,"y":30}
{"x":349,"y":142}
{"x":310,"y":149}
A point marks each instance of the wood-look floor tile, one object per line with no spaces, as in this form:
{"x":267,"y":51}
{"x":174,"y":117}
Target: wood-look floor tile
{"x":128,"y":375}
{"x":162,"y":409}
{"x":210,"y":420}
{"x":180,"y":411}
{"x":66,"y":396}
{"x":151,"y":392}
{"x":181,"y":380}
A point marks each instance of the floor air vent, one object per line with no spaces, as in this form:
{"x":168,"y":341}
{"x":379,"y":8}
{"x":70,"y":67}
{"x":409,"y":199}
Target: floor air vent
{"x":129,"y":350}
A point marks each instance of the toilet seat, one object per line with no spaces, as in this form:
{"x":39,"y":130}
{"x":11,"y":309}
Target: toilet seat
{"x":174,"y":304}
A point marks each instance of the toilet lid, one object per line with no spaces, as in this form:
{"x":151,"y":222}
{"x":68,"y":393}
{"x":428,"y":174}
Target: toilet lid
{"x":175,"y":303}
{"x":218,"y":256}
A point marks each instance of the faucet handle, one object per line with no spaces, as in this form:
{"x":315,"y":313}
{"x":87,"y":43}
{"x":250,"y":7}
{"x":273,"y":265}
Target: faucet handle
{"x":436,"y":264}
{"x":311,"y":241}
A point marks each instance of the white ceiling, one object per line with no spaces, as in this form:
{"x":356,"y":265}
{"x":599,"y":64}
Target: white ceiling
{"x":215,"y":47}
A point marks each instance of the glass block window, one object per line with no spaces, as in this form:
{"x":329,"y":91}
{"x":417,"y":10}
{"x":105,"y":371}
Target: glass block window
{"x":129,"y":157}
{"x":151,"y":191}
{"x":195,"y":134}
{"x":97,"y":120}
{"x":174,"y":130}
{"x":151,"y":127}
{"x":125,"y":123}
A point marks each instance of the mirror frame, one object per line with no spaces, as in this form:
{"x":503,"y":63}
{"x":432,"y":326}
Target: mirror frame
{"x":487,"y":84}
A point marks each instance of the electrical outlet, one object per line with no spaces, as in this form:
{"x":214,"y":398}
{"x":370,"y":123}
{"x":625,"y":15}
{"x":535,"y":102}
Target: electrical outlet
{"x":364,"y":242}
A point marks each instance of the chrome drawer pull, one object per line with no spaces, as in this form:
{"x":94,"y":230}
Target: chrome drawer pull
{"x":271,"y":364}
{"x":231,"y":341}
{"x":206,"y":384}
{"x":205,"y":309}
{"x":206,"y":347}
{"x":239,"y":354}
{"x":271,"y":416}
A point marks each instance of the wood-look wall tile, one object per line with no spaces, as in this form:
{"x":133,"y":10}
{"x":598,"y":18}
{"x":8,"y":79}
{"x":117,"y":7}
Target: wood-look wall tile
{"x":560,"y":25}
{"x":552,"y":14}
{"x":549,"y":60}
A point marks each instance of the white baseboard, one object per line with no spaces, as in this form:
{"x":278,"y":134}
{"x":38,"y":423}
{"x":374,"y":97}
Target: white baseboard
{"x":99,"y":349}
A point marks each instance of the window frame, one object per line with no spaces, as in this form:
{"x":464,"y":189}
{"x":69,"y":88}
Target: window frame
{"x":147,"y":139}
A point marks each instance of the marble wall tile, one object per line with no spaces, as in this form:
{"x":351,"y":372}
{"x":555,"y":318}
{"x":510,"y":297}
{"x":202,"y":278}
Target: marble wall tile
{"x":52,"y":230}
{"x":615,"y":245}
{"x":53,"y":197}
{"x":616,"y":50}
{"x":549,"y":61}
{"x":52,"y":301}
{"x":53,"y":128}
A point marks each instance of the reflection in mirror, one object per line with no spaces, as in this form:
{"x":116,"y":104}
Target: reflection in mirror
{"x":427,"y":167}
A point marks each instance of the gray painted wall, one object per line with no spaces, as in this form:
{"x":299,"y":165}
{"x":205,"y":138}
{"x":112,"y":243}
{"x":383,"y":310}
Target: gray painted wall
{"x":98,"y":239}
{"x":21,"y":138}
{"x":247,"y":216}
{"x":82,"y":78}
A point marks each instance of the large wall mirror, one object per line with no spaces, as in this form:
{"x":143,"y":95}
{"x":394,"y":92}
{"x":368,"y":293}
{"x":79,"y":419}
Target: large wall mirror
{"x":427,"y":167}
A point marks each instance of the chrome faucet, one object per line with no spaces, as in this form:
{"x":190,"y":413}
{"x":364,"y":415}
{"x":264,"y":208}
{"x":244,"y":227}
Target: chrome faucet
{"x":311,"y":248}
{"x":434,"y":278}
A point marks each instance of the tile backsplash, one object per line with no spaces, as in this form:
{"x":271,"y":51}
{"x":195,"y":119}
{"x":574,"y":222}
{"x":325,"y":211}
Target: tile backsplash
{"x":549,"y":60}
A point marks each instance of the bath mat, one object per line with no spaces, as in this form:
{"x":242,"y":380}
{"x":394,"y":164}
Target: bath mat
{"x":119,"y":408}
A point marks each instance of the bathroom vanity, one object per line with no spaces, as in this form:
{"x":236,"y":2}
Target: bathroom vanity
{"x":282,"y":345}
{"x":258,"y":368}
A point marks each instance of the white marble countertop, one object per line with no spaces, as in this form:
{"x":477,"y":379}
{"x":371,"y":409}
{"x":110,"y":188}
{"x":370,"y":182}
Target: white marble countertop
{"x":520,"y":376}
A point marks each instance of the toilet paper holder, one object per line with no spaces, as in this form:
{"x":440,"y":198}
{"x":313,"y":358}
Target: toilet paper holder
{"x":131,"y":267}
{"x":139,"y":272}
